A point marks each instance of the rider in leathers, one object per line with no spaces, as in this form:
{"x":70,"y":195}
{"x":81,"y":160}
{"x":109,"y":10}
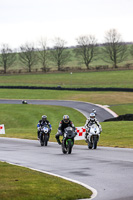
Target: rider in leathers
{"x":66,"y":122}
{"x":41,"y":123}
{"x":89,"y":122}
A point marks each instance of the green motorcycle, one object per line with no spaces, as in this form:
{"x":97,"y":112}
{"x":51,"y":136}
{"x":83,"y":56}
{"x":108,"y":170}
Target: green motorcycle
{"x":68,"y":140}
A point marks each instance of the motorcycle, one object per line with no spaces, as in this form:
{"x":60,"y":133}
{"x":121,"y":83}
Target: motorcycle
{"x":93,"y":136}
{"x":94,"y":111}
{"x":44,"y":136}
{"x":24,"y":102}
{"x":68,"y":140}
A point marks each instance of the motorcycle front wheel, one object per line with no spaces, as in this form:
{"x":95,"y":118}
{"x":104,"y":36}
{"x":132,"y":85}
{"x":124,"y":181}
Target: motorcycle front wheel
{"x":69,"y":147}
{"x":94,"y":143}
{"x":90,"y":145}
{"x":63,"y":148}
{"x":42,"y":140}
{"x":46,"y":140}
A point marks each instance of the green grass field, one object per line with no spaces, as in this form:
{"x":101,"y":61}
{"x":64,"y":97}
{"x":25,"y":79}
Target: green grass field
{"x":123,"y":79}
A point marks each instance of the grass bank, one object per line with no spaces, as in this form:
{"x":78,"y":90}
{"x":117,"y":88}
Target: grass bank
{"x":123,"y":109}
{"x":122,"y":79}
{"x":24,"y":118}
{"x":20,"y":183}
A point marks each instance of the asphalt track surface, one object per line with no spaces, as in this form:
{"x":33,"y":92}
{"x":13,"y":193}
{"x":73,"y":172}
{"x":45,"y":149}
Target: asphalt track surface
{"x":108,"y":170}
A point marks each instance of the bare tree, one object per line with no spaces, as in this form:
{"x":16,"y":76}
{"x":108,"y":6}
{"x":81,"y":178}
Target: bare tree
{"x":28,"y":55}
{"x":7,"y":57}
{"x":60,"y":54}
{"x":131,"y":50}
{"x":86,"y":49}
{"x":43,"y":54}
{"x":114,"y":50}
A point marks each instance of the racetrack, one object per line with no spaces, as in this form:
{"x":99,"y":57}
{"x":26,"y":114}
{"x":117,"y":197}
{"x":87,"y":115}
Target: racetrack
{"x":108,"y":170}
{"x":84,"y":107}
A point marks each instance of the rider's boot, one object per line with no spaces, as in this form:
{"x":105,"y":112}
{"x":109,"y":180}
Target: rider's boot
{"x":59,"y":142}
{"x":38,"y":135}
{"x":86,"y":137}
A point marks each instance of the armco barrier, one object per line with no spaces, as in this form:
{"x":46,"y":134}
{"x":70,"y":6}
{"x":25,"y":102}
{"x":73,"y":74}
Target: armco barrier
{"x":71,"y":89}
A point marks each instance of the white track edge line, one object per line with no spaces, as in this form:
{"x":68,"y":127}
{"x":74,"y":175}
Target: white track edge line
{"x":107,"y":109}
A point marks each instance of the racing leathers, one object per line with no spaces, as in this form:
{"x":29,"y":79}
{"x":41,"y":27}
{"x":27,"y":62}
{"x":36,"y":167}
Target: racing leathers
{"x":62,"y":126}
{"x":89,"y":123}
{"x":42,"y":123}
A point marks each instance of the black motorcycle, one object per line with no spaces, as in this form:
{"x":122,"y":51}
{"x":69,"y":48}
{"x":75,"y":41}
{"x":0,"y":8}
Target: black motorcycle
{"x":68,"y":140}
{"x":44,"y":136}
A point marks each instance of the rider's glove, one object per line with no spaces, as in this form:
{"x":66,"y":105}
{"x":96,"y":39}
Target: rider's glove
{"x":50,"y":130}
{"x":87,"y":129}
{"x":39,"y":128}
{"x":75,"y":132}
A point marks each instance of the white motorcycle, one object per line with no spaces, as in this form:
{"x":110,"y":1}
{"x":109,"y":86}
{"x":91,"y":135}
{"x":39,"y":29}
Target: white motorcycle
{"x":93,"y":136}
{"x":94,"y":111}
{"x":44,"y":136}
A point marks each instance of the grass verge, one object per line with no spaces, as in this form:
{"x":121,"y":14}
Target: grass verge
{"x":20,"y":183}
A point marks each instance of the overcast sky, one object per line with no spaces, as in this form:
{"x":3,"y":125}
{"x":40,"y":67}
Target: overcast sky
{"x":24,"y":21}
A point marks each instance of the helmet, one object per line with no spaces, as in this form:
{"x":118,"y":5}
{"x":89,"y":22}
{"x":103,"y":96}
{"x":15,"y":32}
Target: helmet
{"x":66,"y":118}
{"x":92,"y":116}
{"x":44,"y":117}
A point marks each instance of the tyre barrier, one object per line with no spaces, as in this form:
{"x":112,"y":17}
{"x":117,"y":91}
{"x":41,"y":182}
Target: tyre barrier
{"x":71,"y":89}
{"x":126,"y":117}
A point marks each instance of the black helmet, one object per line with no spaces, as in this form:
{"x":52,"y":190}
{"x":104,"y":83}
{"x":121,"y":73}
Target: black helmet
{"x":44,"y":117}
{"x":66,"y":118}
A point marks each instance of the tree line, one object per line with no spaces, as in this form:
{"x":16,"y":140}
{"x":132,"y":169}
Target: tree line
{"x":113,"y":51}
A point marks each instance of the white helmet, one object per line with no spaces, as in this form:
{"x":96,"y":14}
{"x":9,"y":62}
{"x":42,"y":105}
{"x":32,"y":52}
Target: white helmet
{"x":92,"y":116}
{"x":44,"y":117}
